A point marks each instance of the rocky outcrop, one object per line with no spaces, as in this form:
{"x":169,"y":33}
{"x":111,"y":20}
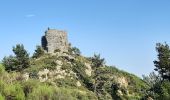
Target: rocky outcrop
{"x":43,"y":75}
{"x":78,"y":84}
{"x":26,"y":76}
{"x":88,"y":69}
{"x":122,"y":81}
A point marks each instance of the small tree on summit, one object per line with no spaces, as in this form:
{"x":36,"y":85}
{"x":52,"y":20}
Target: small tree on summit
{"x":38,"y":52}
{"x":18,"y":62}
{"x":76,"y":51}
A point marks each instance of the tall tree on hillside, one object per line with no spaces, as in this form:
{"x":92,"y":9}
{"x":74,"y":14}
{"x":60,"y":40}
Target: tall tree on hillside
{"x":18,"y":62}
{"x":163,"y":63}
{"x":97,"y":62}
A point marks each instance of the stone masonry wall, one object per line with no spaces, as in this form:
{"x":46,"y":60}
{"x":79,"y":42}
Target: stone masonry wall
{"x":55,"y":39}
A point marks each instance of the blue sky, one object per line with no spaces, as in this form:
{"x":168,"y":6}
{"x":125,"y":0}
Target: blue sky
{"x":124,"y":32}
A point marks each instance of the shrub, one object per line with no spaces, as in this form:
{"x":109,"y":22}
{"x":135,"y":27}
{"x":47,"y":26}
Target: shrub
{"x":163,"y":91}
{"x":50,"y":64}
{"x":38,"y":52}
{"x":9,"y":63}
{"x":76,"y":51}
{"x":33,"y":74}
{"x":14,"y":92}
{"x":2,"y":97}
{"x":29,"y":85}
{"x":97,"y":61}
{"x":66,"y":82}
{"x":2,"y":86}
{"x":2,"y":69}
{"x":42,"y":92}
{"x":57,"y":50}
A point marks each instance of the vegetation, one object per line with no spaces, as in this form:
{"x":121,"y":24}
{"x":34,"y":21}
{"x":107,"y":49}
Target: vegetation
{"x":74,"y":51}
{"x":70,"y":76}
{"x":159,"y":84}
{"x":163,"y":63}
{"x":38,"y":52}
{"x":18,"y":62}
{"x":97,"y":61}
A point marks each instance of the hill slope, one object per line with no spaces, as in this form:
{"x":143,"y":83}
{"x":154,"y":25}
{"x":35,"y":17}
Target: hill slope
{"x":69,"y":76}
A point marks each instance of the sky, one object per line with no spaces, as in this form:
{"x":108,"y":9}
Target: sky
{"x":124,"y":32}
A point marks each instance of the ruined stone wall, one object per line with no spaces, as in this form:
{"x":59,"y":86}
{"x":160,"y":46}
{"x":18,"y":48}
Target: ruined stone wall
{"x":55,"y":39}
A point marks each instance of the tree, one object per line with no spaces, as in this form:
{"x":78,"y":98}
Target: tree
{"x":18,"y":62}
{"x":9,"y":63}
{"x":74,"y":50}
{"x":152,"y":79}
{"x":97,"y":61}
{"x":159,"y":84}
{"x":163,"y":63}
{"x":38,"y":52}
{"x":22,"y":57}
{"x":154,"y":83}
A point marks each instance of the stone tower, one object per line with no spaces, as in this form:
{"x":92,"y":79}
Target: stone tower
{"x":55,"y":40}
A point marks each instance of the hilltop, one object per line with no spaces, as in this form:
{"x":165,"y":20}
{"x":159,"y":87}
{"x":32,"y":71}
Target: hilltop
{"x":58,"y":71}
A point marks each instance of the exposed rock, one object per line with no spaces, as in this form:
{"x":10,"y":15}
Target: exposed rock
{"x":55,"y":40}
{"x":59,"y":77}
{"x":26,"y":76}
{"x":73,"y":73}
{"x":119,"y":92}
{"x":78,"y":84}
{"x":59,"y":62}
{"x":43,"y":75}
{"x":59,"y":73}
{"x":88,"y":69}
{"x":122,"y":81}
{"x":149,"y":98}
{"x":58,"y":67}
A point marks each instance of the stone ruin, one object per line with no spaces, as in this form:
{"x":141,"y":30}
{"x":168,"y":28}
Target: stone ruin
{"x":55,"y":40}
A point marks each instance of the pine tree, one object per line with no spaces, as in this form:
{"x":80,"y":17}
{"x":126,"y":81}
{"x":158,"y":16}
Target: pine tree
{"x":18,"y":62}
{"x":163,"y":63}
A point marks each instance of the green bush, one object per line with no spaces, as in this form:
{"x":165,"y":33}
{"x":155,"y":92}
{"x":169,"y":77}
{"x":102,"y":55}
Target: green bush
{"x":97,"y":61}
{"x":66,"y":82}
{"x":33,"y":74}
{"x":29,"y":85}
{"x":164,"y":92}
{"x":9,"y":63}
{"x":74,"y":94}
{"x":2,"y":86}
{"x":42,"y":92}
{"x":2,"y":97}
{"x":75,"y":51}
{"x":38,"y":52}
{"x":13,"y":92}
{"x":50,"y":64}
{"x":2,"y":69}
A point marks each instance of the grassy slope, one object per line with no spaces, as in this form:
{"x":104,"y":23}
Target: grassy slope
{"x":13,"y":86}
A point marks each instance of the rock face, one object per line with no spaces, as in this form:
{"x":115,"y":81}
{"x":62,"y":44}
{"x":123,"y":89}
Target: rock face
{"x":55,"y":40}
